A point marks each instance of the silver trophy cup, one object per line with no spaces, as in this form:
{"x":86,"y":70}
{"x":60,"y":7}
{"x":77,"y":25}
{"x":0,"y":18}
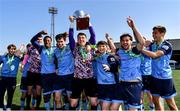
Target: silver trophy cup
{"x":82,"y":20}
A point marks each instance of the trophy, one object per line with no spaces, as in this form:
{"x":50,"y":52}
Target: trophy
{"x":82,"y":20}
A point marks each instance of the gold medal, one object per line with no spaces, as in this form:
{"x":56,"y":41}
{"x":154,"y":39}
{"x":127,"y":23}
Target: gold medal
{"x":84,"y":61}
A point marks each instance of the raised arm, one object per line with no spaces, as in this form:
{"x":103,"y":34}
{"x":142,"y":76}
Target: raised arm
{"x":92,"y":39}
{"x":110,"y":43}
{"x":139,"y":38}
{"x":20,"y":51}
{"x":35,"y":38}
{"x":25,"y":59}
{"x":71,"y":33}
{"x":165,"y":49}
{"x":152,"y":54}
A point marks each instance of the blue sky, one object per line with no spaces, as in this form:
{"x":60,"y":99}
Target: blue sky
{"x":21,"y":19}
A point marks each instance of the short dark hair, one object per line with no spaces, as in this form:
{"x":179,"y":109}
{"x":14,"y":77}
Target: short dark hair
{"x":102,"y":43}
{"x":125,"y":35}
{"x":28,"y":45}
{"x":46,"y":38}
{"x":79,"y":34}
{"x":11,"y":45}
{"x":160,"y":28}
{"x":62,"y":35}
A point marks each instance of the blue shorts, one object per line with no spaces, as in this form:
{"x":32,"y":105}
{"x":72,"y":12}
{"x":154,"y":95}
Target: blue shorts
{"x":63,"y":83}
{"x":106,"y":92}
{"x":48,"y":81}
{"x":146,"y":82}
{"x":130,"y":93}
{"x":162,"y":87}
{"x":23,"y":85}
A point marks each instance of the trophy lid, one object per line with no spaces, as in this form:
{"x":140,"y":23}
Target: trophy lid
{"x":80,"y":14}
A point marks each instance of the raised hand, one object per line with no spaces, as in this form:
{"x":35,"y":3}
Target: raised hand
{"x":130,"y":22}
{"x":88,"y":48}
{"x":21,"y":67}
{"x":110,"y":43}
{"x":140,"y":47}
{"x":43,"y":32}
{"x":107,"y":36}
{"x":18,"y":53}
{"x":106,"y":67}
{"x":20,"y":50}
{"x":148,"y":43}
{"x":71,"y":18}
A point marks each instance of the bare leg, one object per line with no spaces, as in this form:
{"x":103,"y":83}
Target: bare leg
{"x":157,"y":103}
{"x":172,"y":104}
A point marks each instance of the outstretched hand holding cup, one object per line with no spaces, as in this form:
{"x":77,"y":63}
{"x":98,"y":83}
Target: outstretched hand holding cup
{"x":71,"y":18}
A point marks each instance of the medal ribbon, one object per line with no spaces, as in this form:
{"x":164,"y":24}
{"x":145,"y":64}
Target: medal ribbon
{"x":49,"y":53}
{"x":10,"y":60}
{"x":99,"y":57}
{"x":61,"y":50}
{"x":83,"y":54}
{"x":131,"y":54}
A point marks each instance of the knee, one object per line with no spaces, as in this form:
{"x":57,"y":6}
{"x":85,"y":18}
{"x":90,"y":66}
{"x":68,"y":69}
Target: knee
{"x":94,"y":102}
{"x":113,"y":107}
{"x":74,"y":103}
{"x":23,"y":95}
{"x":38,"y":93}
{"x":29,"y":92}
{"x":172,"y":106}
{"x":57,"y":99}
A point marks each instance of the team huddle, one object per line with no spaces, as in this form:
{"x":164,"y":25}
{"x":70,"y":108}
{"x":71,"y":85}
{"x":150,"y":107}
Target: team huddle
{"x":104,"y":75}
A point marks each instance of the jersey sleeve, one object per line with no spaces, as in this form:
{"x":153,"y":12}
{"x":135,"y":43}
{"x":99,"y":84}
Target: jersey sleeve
{"x":166,"y":48}
{"x":113,"y":63}
{"x":135,"y":50}
{"x":113,"y":66}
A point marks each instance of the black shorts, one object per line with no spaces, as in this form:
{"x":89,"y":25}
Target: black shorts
{"x":33,"y":79}
{"x":130,"y":93}
{"x":106,"y":92}
{"x":63,"y":83}
{"x":8,"y":82}
{"x":146,"y":82}
{"x":48,"y":81}
{"x":23,"y":85}
{"x":162,"y":87}
{"x":88,"y":85}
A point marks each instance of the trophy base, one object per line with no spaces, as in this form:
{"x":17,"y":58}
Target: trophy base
{"x":82,"y":23}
